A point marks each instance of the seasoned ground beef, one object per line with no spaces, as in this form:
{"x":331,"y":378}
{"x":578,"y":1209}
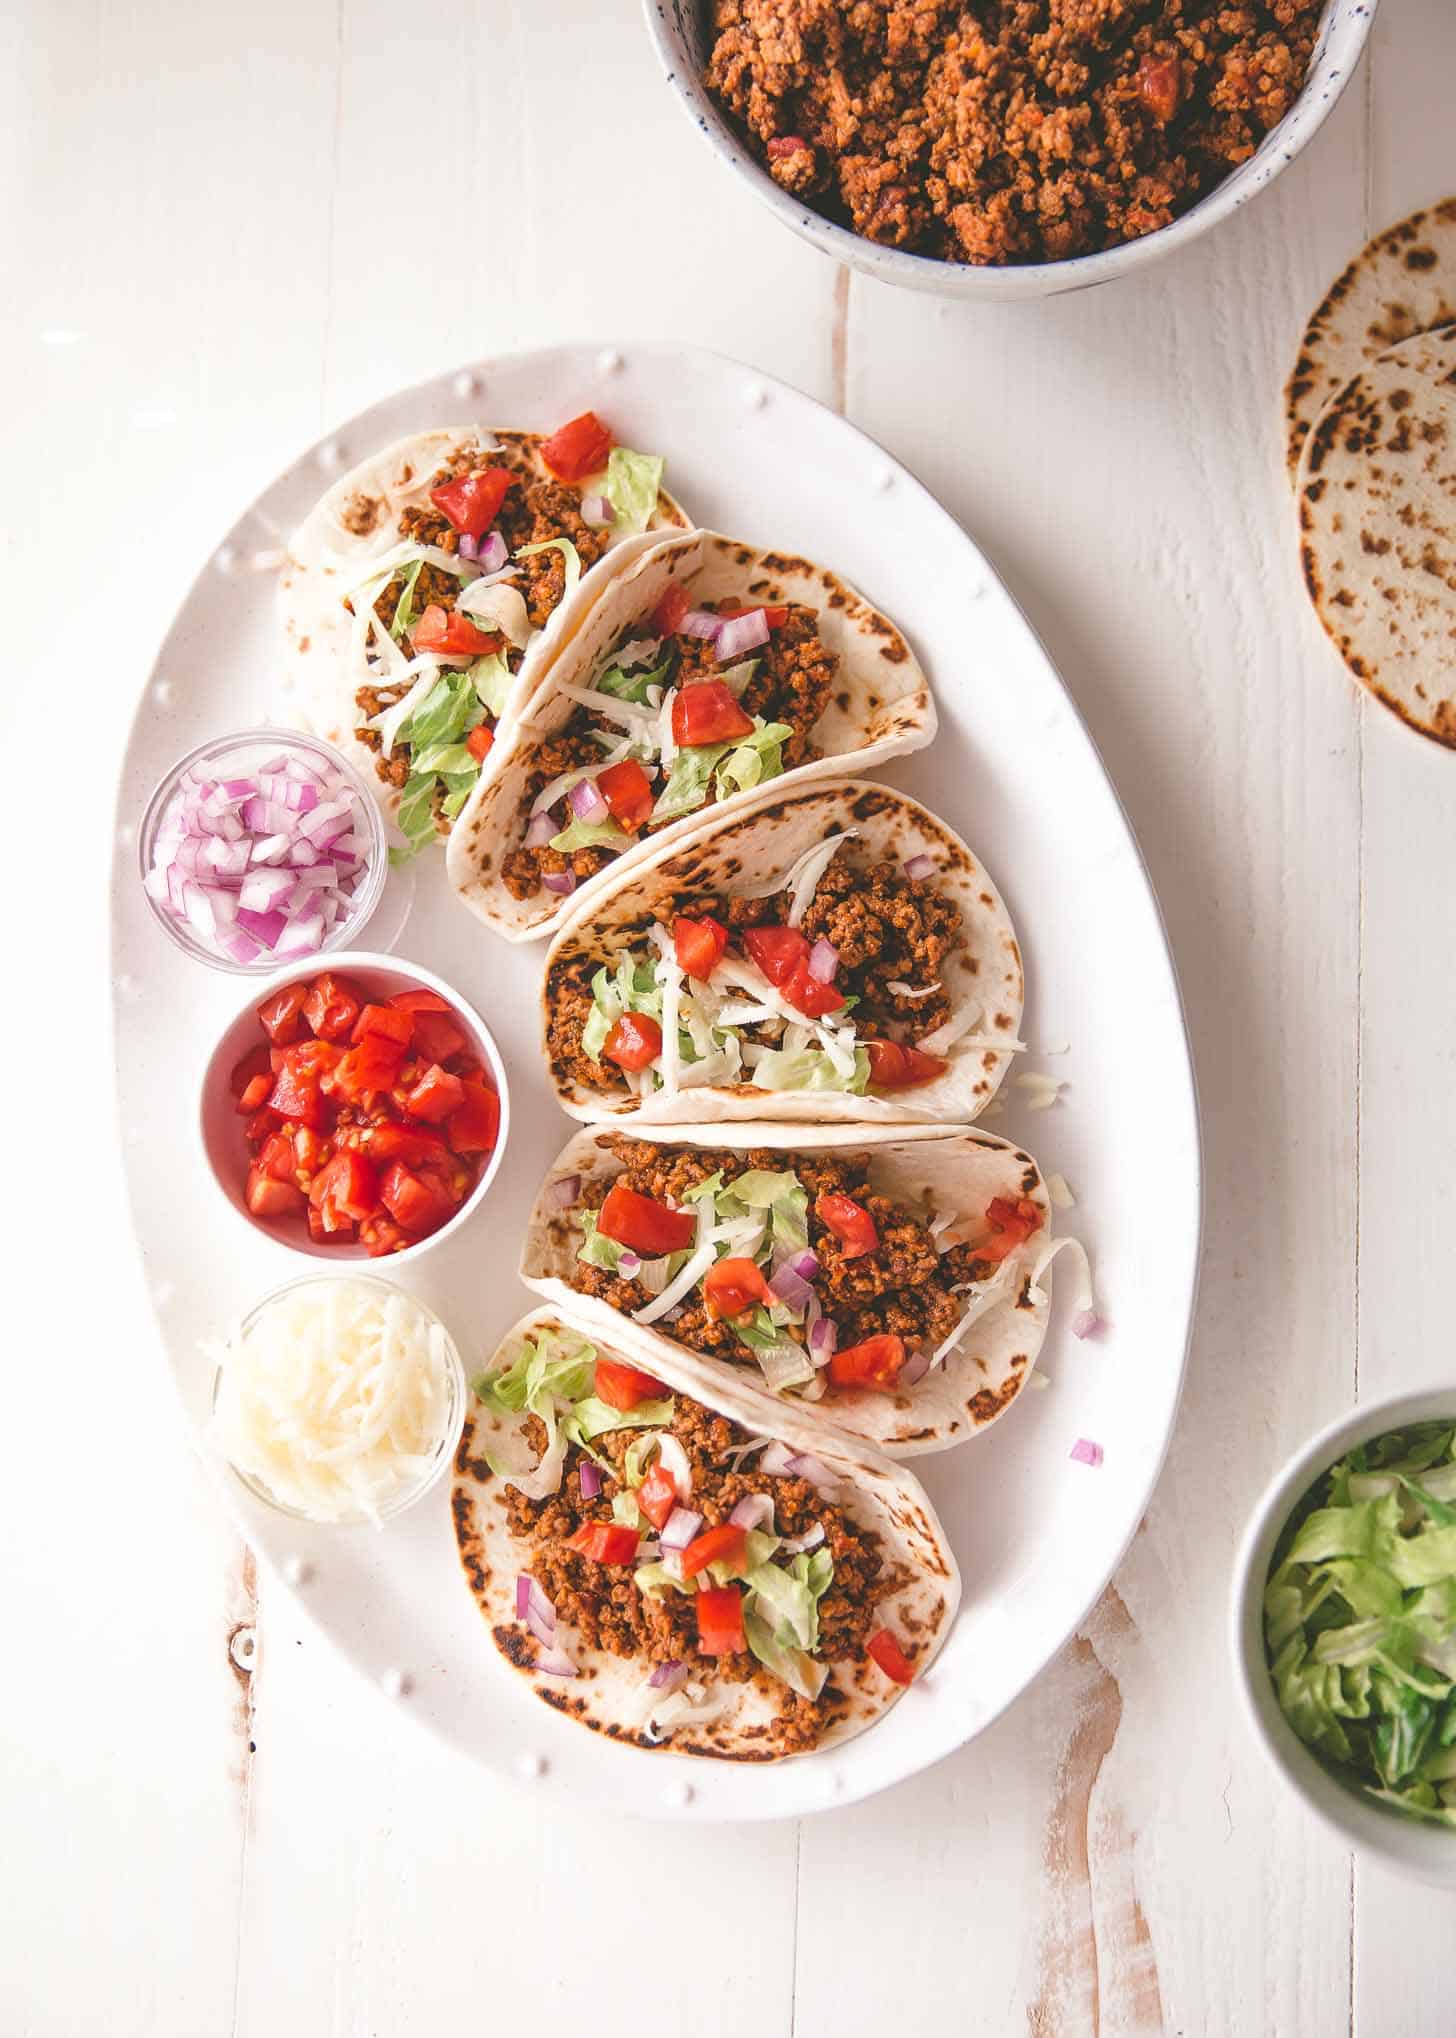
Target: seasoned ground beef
{"x":605,"y":1607}
{"x":791,"y":684}
{"x":888,"y":928}
{"x":905,"y":1286}
{"x":533,"y":509}
{"x":1007,"y":131}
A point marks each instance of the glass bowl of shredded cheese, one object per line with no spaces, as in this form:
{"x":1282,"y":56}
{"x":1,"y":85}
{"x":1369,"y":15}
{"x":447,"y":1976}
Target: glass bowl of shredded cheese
{"x":338,"y":1399}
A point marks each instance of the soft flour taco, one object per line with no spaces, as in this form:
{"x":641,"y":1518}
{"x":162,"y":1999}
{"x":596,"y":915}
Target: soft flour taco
{"x":888,"y":1275}
{"x":677,"y":1561}
{"x":833,"y":952}
{"x":423,"y":595}
{"x":704,"y":670}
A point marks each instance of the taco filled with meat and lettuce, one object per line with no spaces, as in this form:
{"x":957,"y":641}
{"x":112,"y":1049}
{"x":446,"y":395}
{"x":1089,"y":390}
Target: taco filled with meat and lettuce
{"x":425,"y":593}
{"x":888,"y":1276}
{"x":705,"y":670}
{"x":834,"y":952}
{"x":679,"y":1562}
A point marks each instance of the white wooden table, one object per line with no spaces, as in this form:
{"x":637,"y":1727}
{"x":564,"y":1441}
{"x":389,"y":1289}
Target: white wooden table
{"x":224,"y":230}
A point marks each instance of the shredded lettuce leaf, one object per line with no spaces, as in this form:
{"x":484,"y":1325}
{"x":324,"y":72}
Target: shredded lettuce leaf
{"x":404,"y":613}
{"x":631,"y":487}
{"x":742,"y":765}
{"x":579,"y":834}
{"x":1358,"y":1620}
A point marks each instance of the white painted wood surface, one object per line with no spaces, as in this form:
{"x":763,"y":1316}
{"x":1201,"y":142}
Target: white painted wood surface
{"x":223,"y":231}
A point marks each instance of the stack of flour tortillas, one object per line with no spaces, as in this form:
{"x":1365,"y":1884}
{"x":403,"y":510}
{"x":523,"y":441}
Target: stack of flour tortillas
{"x":1371,"y":422}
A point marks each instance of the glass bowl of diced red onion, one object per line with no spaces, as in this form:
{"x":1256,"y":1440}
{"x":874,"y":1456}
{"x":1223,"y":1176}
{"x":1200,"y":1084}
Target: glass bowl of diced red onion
{"x":262,"y":849}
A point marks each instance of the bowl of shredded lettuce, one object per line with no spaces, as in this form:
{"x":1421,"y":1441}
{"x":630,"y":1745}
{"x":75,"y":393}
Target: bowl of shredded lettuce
{"x":1345,"y":1629}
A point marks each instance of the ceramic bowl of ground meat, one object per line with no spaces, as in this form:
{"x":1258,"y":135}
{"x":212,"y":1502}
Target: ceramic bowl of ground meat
{"x":1007,"y":148}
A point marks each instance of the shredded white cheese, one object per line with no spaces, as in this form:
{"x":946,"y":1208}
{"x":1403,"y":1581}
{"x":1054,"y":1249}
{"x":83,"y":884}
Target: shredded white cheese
{"x":985,"y":1298}
{"x":1043,"y":1091}
{"x":335,"y":1398}
{"x":1061,"y":1196}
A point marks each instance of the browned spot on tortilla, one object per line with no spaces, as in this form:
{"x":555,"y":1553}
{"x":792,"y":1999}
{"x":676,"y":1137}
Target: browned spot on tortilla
{"x":361,"y":513}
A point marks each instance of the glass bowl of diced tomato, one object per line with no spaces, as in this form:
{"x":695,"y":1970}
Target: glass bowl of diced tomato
{"x":356,"y":1108}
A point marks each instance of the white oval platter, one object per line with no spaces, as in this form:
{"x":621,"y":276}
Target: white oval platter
{"x":1014,"y":770}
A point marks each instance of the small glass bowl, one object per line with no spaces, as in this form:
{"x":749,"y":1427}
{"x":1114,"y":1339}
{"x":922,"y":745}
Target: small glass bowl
{"x":235,"y":755}
{"x":442,"y":1456}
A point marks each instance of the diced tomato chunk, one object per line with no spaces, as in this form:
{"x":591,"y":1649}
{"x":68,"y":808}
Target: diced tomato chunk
{"x":627,"y":791}
{"x":297,"y":1093}
{"x":417,"y":1200}
{"x":643,"y":1224}
{"x":476,"y":1125}
{"x":850,"y":1222}
{"x":276,"y":1157}
{"x":268,"y":1197}
{"x":260,"y":1125}
{"x":723,"y":1545}
{"x":720,"y":1621}
{"x":634,"y":1041}
{"x":472,"y":501}
{"x":623,"y":1386}
{"x":281,"y":1015}
{"x":478,"y":742}
{"x":348,"y":1185}
{"x":435,"y":1095}
{"x":657,"y":1496}
{"x":387,"y":1021}
{"x":329,"y":1226}
{"x":1011,"y":1225}
{"x":419,"y":1001}
{"x":412,"y":1144}
{"x":894,"y":1066}
{"x":308,"y":1148}
{"x":808,"y":995}
{"x":332,"y":1005}
{"x":256,"y":1095}
{"x":256,"y":1062}
{"x":605,"y":1542}
{"x":578,"y":449}
{"x":732,"y":1287}
{"x":373,"y":1065}
{"x":437,"y":1037}
{"x":699,"y":945}
{"x":447,"y":631}
{"x":875,"y":1363}
{"x":891,"y":1657}
{"x":707,"y":711}
{"x":380,"y":1235}
{"x":778,"y":951}
{"x":775,"y":614}
{"x":674,"y":605}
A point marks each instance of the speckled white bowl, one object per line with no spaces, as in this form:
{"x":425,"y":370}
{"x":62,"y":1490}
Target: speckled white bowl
{"x":1427,"y":1853}
{"x":678,"y":29}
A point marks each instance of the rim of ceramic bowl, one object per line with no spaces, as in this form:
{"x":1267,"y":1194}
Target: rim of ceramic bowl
{"x":444,"y":1452}
{"x":358,"y":962}
{"x":1427,"y":1852}
{"x":361,"y":906}
{"x":1344,"y":30}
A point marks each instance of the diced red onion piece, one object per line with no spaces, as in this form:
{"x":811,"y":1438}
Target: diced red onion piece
{"x":776,"y":1459}
{"x":915,"y":1368}
{"x":667,"y":1676}
{"x":742,"y":633}
{"x":700,"y":623}
{"x":268,"y":848}
{"x":301,"y":937}
{"x":920,"y":866}
{"x":754,"y":1511}
{"x":492,"y":553}
{"x":234,"y":789}
{"x":586,"y":802}
{"x":265,"y":927}
{"x":562,"y":882}
{"x":810,"y":1540}
{"x":467,"y":546}
{"x":1086,"y":1323}
{"x":523,"y":1594}
{"x":682,"y":1525}
{"x":823,"y":1339}
{"x":301,"y":854}
{"x":555,"y":1663}
{"x":597,"y":512}
{"x":823,"y":961}
{"x":804,"y":1465}
{"x":790,"y":1288}
{"x":264,"y":889}
{"x":564,"y":1190}
{"x":590,"y":1478}
{"x":629,"y":1264}
{"x":318,"y":826}
{"x":241,"y":947}
{"x":542,"y":828}
{"x":1085,"y":1452}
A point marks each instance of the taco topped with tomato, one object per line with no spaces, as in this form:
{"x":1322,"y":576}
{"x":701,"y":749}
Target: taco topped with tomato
{"x":887,"y":1275}
{"x":673,"y":1560}
{"x":425,"y":591}
{"x":706,"y":671}
{"x":830,"y":952}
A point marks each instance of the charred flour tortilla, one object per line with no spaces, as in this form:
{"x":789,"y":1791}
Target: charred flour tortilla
{"x":1403,"y":282}
{"x":407,"y":630}
{"x":1377,"y":518}
{"x":579,"y":1523}
{"x":886,"y":1275}
{"x":705,"y":670}
{"x":913,"y":1013}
